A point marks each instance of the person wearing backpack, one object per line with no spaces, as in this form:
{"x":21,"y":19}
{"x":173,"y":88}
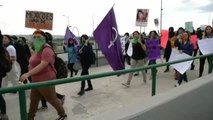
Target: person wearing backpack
{"x":5,"y":66}
{"x":42,"y":69}
{"x":85,"y":53}
{"x":49,"y":38}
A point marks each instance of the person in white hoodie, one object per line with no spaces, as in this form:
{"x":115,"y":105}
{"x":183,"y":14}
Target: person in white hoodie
{"x":15,"y":72}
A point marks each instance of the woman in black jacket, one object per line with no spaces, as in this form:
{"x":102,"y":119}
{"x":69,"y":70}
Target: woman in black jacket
{"x":168,"y":49}
{"x":86,"y":60}
{"x":5,"y":66}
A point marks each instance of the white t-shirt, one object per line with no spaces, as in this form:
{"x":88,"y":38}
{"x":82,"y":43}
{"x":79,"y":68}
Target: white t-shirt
{"x":122,"y":39}
{"x":11,"y":50}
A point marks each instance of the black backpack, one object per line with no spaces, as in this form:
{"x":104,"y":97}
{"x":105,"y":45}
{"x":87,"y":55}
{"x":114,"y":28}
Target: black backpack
{"x":5,"y":63}
{"x":60,"y":66}
{"x":93,"y":58}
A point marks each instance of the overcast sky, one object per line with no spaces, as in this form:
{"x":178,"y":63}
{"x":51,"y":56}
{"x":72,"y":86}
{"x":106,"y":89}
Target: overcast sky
{"x":82,"y":13}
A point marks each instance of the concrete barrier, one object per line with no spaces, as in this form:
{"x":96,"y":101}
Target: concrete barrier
{"x":190,"y":101}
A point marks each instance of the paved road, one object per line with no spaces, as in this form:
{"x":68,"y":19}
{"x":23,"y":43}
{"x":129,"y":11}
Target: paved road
{"x":108,"y":94}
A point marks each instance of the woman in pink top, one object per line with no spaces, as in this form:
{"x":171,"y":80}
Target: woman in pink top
{"x":42,"y":69}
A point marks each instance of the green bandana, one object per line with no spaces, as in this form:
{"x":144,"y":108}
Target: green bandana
{"x":135,"y":41}
{"x":83,"y":44}
{"x":38,"y":43}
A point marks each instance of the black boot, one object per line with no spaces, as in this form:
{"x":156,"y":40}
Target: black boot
{"x":89,"y":85}
{"x":76,"y":72}
{"x":82,"y":92}
{"x":89,"y":88}
{"x":192,"y":67}
{"x":167,"y":70}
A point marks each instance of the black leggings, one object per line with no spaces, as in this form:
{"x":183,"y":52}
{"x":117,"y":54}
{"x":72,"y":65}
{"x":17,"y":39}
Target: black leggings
{"x":194,"y":55}
{"x":85,"y":71}
{"x":167,"y":59}
{"x":2,"y":102}
{"x":70,"y":67}
{"x":202,"y":63}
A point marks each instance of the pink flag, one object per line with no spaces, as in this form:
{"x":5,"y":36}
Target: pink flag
{"x":194,"y":40}
{"x":164,"y":38}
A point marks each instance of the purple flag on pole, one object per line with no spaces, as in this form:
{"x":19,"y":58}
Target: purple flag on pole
{"x":107,"y":37}
{"x":69,"y":35}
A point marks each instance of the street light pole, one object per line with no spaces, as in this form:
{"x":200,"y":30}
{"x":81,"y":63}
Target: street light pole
{"x":161,"y":13}
{"x":68,"y":20}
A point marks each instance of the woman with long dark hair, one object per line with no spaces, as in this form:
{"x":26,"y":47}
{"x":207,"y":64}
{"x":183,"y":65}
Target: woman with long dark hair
{"x":138,"y":56}
{"x":185,"y":46}
{"x":72,"y":56}
{"x":208,"y":33}
{"x":5,"y":66}
{"x":86,"y":60}
{"x":42,"y":69}
{"x":168,"y":49}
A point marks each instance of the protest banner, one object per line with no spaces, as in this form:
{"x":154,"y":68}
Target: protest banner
{"x":153,"y":49}
{"x":39,"y":20}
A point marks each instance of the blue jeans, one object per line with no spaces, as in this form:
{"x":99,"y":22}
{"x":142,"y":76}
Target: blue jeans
{"x":152,"y":62}
{"x":181,"y":78}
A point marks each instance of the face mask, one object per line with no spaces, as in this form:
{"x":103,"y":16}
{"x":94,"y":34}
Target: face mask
{"x":83,"y":43}
{"x":135,"y":41}
{"x":38,"y":43}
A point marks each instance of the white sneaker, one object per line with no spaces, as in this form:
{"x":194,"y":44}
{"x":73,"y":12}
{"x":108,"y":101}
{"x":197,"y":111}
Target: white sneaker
{"x":126,"y":85}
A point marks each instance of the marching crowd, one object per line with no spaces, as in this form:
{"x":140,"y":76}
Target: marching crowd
{"x":23,"y":63}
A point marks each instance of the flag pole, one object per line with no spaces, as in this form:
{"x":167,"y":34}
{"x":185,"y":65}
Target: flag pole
{"x":113,"y":5}
{"x":68,"y":20}
{"x":93,"y":26}
{"x":209,"y":18}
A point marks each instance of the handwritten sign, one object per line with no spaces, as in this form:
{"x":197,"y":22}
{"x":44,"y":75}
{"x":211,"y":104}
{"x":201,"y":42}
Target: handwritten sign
{"x":39,"y":20}
{"x":205,"y":46}
{"x":194,"y":40}
{"x":156,"y":22}
{"x":153,"y":49}
{"x":189,"y":26}
{"x":142,"y":17}
{"x":164,"y":38}
{"x":183,"y":66}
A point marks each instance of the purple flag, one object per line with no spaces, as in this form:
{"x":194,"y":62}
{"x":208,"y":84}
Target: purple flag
{"x":107,"y":37}
{"x":69,"y":35}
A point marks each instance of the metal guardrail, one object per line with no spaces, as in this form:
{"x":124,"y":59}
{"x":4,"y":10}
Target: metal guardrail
{"x":21,"y":88}
{"x":96,"y":56}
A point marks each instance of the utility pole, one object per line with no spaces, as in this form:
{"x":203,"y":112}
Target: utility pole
{"x":209,"y":19}
{"x":161,"y":13}
{"x":68,"y":20}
